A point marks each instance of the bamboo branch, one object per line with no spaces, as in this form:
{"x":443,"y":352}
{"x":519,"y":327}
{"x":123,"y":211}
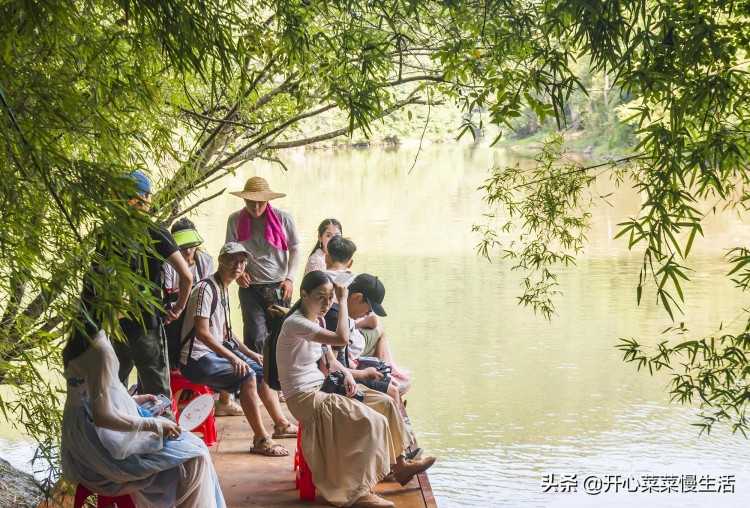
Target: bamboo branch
{"x":215,"y":120}
{"x":240,"y":153}
{"x":419,"y":77}
{"x":584,"y":169}
{"x":274,"y":159}
{"x":196,"y":205}
{"x":344,"y":130}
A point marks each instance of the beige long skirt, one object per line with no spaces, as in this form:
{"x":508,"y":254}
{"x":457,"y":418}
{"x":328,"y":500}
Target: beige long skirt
{"x":348,"y":445}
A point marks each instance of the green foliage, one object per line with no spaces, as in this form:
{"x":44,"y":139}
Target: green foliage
{"x":683,"y":67}
{"x":712,"y":373}
{"x":83,"y":89}
{"x":552,"y":230}
{"x":187,"y":91}
{"x":182,"y":90}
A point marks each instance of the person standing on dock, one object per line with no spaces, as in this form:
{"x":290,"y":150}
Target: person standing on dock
{"x":270,"y":236}
{"x":144,"y":346}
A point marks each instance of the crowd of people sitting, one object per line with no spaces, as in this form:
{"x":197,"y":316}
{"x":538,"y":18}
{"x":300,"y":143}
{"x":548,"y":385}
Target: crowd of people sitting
{"x":334,"y":364}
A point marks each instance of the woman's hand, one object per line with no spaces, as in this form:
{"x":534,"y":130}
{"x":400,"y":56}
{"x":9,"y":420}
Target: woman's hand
{"x":142,"y":399}
{"x":350,"y":384}
{"x":170,"y":430}
{"x":340,"y":291}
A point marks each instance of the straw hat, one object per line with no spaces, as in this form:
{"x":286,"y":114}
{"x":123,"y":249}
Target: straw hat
{"x":256,"y":189}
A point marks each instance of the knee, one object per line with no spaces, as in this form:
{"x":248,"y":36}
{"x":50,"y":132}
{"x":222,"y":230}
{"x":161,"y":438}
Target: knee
{"x":380,"y":329}
{"x":393,"y":391}
{"x":248,"y":389}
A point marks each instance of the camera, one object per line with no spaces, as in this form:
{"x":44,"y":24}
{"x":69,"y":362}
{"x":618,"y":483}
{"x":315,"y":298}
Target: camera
{"x":371,"y":361}
{"x":334,"y":383}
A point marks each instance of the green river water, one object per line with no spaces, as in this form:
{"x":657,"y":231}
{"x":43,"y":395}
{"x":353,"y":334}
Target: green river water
{"x":502,"y":397}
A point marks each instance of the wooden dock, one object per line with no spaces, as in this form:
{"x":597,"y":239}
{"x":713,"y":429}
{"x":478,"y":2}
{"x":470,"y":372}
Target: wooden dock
{"x":254,"y":480}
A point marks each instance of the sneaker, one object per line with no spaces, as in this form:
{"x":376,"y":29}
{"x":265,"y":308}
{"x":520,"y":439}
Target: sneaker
{"x":414,"y":454}
{"x":372,"y":500}
{"x":231,"y":409}
{"x":403,"y":387}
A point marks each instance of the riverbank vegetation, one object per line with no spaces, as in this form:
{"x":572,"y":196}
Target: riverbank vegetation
{"x":189,"y":90}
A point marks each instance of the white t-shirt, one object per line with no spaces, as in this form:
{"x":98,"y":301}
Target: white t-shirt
{"x":199,"y":304}
{"x":297,"y":356}
{"x":201,"y":268}
{"x":356,"y":340}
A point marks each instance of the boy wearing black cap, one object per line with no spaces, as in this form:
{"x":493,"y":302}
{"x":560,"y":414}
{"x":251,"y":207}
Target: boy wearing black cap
{"x":367,"y":335}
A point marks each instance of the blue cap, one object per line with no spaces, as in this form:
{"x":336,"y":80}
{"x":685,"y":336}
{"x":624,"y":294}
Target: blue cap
{"x":141,"y":183}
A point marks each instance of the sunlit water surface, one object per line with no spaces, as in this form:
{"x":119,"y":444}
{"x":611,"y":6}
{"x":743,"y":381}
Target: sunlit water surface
{"x":500,"y":395}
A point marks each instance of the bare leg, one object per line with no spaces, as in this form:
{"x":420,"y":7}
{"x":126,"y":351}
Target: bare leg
{"x":393,"y":392}
{"x":249,"y":403}
{"x":225,"y":398}
{"x":270,"y":399}
{"x":383,"y":351}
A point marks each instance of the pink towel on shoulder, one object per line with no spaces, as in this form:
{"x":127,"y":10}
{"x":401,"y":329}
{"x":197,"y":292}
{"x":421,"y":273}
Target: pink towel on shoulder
{"x":274,"y":232}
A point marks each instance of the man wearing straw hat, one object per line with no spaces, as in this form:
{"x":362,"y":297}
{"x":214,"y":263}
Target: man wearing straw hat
{"x":270,"y":236}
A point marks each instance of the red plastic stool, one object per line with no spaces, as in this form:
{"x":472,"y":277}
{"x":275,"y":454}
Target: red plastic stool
{"x":187,"y":392}
{"x":303,"y":480}
{"x":298,"y":450}
{"x":83,"y":493}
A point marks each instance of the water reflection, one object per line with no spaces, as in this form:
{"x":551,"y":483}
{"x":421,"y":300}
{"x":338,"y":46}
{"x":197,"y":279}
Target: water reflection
{"x":501,"y":396}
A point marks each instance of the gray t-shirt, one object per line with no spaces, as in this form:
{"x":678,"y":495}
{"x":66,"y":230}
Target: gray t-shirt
{"x":267,"y":264}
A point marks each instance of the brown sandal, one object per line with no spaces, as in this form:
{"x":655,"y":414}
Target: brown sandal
{"x":268,"y":447}
{"x":285,"y":430}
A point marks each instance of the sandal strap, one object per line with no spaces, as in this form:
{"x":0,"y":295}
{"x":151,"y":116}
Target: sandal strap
{"x":266,"y":443}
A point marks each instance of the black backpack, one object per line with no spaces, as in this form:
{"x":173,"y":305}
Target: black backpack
{"x":270,"y":369}
{"x":173,"y":331}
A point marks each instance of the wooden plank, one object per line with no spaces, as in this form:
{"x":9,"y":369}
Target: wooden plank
{"x":253,"y":480}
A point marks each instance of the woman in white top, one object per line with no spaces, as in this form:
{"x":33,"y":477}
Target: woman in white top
{"x":348,"y":445}
{"x":326,"y":230}
{"x":114,"y":448}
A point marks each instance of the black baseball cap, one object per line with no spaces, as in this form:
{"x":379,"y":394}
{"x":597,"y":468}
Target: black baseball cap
{"x":372,"y":289}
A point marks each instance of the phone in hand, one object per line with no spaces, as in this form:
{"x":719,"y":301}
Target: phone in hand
{"x":155,"y":407}
{"x":345,"y":279}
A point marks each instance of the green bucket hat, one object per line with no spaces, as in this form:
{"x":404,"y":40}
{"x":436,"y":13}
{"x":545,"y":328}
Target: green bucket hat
{"x":187,"y":238}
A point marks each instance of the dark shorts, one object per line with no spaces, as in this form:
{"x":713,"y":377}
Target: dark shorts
{"x":217,"y":372}
{"x":374,"y":384}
